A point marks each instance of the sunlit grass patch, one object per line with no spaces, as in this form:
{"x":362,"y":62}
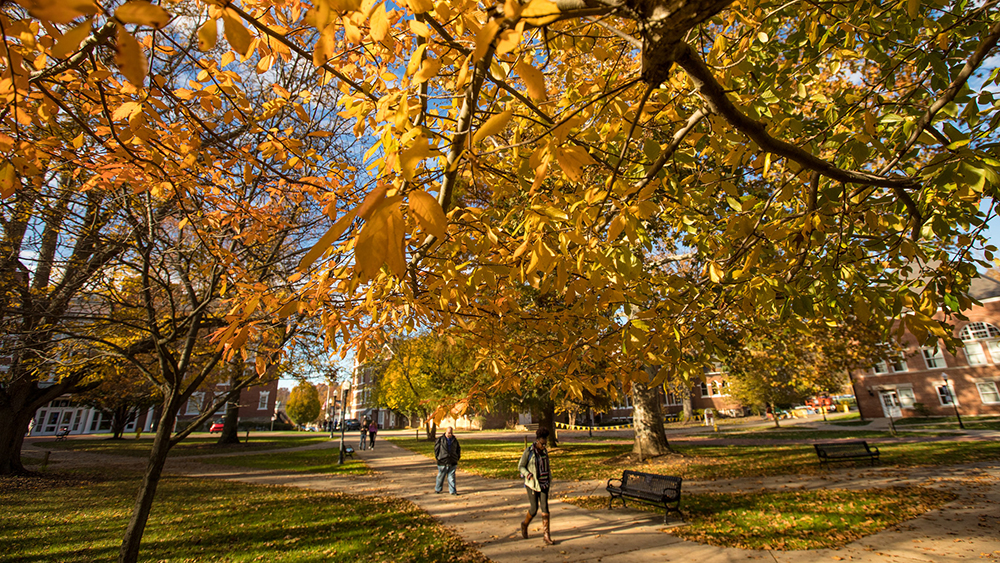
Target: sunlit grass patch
{"x":575,"y":461}
{"x":792,"y":520}
{"x":195,"y":445}
{"x":310,"y":461}
{"x":209,"y":520}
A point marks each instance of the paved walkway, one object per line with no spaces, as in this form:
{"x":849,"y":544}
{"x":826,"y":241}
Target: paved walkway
{"x":487,"y":513}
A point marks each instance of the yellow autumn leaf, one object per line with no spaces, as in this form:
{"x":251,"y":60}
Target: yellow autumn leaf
{"x":59,"y":11}
{"x":429,"y":213}
{"x":325,"y":45}
{"x":540,"y":12}
{"x":142,"y":13}
{"x":395,"y":253}
{"x":420,"y":28}
{"x":208,"y":34}
{"x":345,"y":5}
{"x":327,"y":240}
{"x":411,"y":156}
{"x":463,"y":73}
{"x":508,"y":41}
{"x":533,"y":79}
{"x":130,"y":59}
{"x":376,"y":238}
{"x":715,"y":272}
{"x":616,"y":227}
{"x":379,"y":23}
{"x":484,"y":38}
{"x":913,"y":8}
{"x":415,"y":60}
{"x":71,"y":40}
{"x":7,"y":181}
{"x":420,"y":6}
{"x":288,"y":309}
{"x":372,"y":201}
{"x":492,"y":126}
{"x":126,"y":110}
{"x":572,"y":160}
{"x":428,"y":70}
{"x":237,"y":35}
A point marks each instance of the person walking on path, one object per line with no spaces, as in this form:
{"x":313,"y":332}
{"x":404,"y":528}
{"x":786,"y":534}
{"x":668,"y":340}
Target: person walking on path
{"x":534,"y":467}
{"x":363,"y":445}
{"x":372,"y":431}
{"x":447,"y":452}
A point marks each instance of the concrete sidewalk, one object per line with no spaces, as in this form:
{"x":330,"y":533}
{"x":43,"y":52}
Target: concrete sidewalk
{"x":487,"y":513}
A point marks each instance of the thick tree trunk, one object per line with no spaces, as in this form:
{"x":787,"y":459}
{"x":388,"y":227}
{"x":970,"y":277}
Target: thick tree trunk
{"x":13,"y":426}
{"x":647,"y":417}
{"x":548,"y":420}
{"x":687,"y":407}
{"x":147,"y":492}
{"x":18,"y":403}
{"x":230,"y":426}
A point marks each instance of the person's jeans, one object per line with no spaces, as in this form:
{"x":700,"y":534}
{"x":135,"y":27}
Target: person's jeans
{"x":449,"y":471}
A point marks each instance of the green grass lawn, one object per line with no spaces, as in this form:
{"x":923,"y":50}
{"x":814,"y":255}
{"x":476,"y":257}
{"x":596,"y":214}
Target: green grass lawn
{"x":193,"y":445}
{"x":810,"y":434}
{"x":791,"y":520}
{"x":498,"y":459}
{"x":310,"y":461}
{"x":58,"y":520}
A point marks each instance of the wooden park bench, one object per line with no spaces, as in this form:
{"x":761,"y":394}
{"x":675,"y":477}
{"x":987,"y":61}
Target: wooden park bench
{"x":63,"y":432}
{"x":846,"y":451}
{"x":658,"y":490}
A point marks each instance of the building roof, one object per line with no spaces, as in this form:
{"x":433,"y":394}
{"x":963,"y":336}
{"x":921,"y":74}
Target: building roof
{"x":986,"y":286}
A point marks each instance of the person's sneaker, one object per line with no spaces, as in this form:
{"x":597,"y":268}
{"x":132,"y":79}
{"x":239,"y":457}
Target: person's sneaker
{"x":437,"y":492}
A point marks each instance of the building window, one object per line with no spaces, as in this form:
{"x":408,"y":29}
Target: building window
{"x":975,"y":354}
{"x":988,"y":392}
{"x":906,"y":397}
{"x":898,"y":364}
{"x":194,"y":403}
{"x":994,"y":347}
{"x":945,"y":394}
{"x":704,"y":389}
{"x":979,"y":331}
{"x":262,"y":401}
{"x":934,"y":358}
{"x":715,"y":388}
{"x":881,"y":368}
{"x":971,"y":334}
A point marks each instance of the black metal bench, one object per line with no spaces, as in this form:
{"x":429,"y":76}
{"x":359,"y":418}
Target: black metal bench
{"x":349,"y":451}
{"x":658,"y":490}
{"x":846,"y":451}
{"x":63,"y":432}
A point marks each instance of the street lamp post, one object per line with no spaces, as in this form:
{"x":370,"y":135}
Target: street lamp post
{"x":954,"y":403}
{"x":343,"y":415}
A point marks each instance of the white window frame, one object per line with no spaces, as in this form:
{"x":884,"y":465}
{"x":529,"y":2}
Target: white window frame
{"x":993,"y":347}
{"x":975,"y":358}
{"x":951,"y":391}
{"x":881,"y":368}
{"x":906,"y":397}
{"x":194,"y":403}
{"x":262,"y":400}
{"x":704,"y":389}
{"x":995,"y":392}
{"x":933,"y":356}
{"x":898,"y":364}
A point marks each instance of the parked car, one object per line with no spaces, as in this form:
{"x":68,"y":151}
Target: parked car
{"x":352,"y":424}
{"x":216,"y":427}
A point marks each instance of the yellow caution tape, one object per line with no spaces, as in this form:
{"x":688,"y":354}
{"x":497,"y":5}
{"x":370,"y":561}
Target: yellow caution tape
{"x":581,"y":427}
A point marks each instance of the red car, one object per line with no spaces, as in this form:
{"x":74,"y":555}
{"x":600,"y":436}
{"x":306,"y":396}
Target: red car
{"x":216,"y":427}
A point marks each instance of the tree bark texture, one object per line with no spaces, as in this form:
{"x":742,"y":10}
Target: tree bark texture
{"x":647,"y":418}
{"x":147,"y":491}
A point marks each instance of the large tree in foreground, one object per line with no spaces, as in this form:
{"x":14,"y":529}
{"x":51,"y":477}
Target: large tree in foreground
{"x":812,"y":157}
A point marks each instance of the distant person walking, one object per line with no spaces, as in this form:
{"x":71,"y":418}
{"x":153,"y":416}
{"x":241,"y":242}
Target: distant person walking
{"x":364,"y":435}
{"x":372,"y":431}
{"x":447,"y":452}
{"x":534,"y":467}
